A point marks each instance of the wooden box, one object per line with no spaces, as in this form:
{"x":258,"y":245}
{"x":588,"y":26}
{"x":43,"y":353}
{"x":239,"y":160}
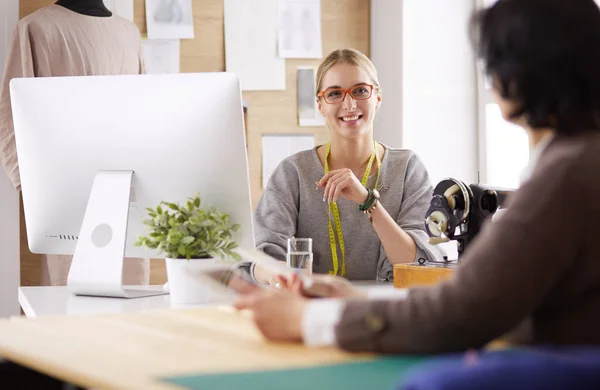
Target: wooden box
{"x":415,"y":274}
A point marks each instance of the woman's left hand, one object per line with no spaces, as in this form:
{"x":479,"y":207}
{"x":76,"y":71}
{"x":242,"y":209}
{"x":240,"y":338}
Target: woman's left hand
{"x":277,"y":313}
{"x":342,"y":182}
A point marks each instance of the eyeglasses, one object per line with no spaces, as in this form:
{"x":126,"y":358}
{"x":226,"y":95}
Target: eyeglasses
{"x":337,"y":95}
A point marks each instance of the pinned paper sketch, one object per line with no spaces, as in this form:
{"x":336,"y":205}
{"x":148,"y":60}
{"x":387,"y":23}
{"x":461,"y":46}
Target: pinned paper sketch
{"x":275,"y":148}
{"x":161,"y":56}
{"x":299,"y":29}
{"x":308,"y":110}
{"x":169,"y":19}
{"x":251,"y":44}
{"x":122,"y":8}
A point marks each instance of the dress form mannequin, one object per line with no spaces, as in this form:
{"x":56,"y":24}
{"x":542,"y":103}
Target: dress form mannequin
{"x":86,"y":7}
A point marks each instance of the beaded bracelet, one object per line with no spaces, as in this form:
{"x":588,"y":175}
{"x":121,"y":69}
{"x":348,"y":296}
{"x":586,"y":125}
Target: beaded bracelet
{"x":371,"y":201}
{"x":370,"y":210}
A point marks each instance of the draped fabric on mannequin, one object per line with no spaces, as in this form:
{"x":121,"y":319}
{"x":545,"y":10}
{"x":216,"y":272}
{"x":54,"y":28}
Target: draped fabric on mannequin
{"x":86,"y":7}
{"x":58,"y":40}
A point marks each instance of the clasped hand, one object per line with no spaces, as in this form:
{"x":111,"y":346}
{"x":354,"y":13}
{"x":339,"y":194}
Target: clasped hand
{"x":342,"y":182}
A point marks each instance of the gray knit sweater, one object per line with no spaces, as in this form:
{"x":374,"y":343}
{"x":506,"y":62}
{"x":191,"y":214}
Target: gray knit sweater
{"x":290,"y":206}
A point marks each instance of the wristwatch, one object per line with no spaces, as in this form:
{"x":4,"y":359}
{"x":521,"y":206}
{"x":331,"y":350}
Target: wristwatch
{"x":375,"y":199}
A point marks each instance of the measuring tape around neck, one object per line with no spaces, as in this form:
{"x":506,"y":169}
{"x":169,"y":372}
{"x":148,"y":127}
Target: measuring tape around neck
{"x":333,"y":211}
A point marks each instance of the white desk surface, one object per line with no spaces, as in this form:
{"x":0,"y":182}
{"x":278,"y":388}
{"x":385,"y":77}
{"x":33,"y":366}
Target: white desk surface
{"x":52,"y":301}
{"x":45,"y":301}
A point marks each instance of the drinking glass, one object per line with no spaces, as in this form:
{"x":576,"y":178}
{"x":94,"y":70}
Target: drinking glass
{"x":299,"y":254}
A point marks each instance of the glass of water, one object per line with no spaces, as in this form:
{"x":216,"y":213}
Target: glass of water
{"x":299,"y":254}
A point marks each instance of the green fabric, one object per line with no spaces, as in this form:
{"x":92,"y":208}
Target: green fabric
{"x":380,"y":373}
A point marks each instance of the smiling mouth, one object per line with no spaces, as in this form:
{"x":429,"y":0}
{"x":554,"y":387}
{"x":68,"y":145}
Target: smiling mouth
{"x":353,"y":118}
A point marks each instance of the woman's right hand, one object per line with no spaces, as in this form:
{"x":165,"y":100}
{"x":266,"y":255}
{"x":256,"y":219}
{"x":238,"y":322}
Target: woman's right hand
{"x":333,"y":286}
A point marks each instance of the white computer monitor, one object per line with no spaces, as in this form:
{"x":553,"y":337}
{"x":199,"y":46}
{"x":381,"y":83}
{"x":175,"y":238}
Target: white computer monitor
{"x":179,"y":135}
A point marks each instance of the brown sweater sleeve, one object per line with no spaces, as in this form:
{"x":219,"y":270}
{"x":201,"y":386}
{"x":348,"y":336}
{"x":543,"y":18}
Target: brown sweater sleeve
{"x":19,"y":64}
{"x":504,"y":276}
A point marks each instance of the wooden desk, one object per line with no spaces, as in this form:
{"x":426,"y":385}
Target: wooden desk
{"x":414,"y":274}
{"x":131,"y":351}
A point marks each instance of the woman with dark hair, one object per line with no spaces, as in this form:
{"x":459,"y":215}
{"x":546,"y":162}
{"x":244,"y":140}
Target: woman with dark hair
{"x":537,"y":261}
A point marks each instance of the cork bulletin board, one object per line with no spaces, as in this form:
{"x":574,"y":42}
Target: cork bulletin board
{"x":344,"y":23}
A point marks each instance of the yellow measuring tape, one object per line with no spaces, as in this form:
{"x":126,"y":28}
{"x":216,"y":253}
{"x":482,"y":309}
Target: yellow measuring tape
{"x":333,"y":209}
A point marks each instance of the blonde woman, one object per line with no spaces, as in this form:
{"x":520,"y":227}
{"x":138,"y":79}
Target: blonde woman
{"x":361,"y":202}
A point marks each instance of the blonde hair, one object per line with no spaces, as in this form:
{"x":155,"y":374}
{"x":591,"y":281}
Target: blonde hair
{"x":347,"y":56}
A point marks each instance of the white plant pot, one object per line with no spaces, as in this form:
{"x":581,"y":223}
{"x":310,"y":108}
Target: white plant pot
{"x":185,"y":284}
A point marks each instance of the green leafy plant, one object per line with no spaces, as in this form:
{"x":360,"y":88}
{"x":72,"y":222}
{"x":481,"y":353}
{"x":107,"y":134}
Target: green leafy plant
{"x":189,"y":232}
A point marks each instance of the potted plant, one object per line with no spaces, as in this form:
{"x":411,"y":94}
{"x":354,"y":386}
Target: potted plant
{"x":191,"y":238}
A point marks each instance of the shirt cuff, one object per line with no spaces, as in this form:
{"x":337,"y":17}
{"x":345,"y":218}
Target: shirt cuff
{"x":319,"y":320}
{"x":389,"y":292}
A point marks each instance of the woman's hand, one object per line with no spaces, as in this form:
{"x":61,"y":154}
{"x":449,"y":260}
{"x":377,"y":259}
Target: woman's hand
{"x":277,"y":313}
{"x":332,"y":286}
{"x":342,"y":182}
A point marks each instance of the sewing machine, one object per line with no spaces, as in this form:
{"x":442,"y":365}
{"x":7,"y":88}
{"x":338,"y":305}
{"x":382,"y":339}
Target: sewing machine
{"x":456,"y":213}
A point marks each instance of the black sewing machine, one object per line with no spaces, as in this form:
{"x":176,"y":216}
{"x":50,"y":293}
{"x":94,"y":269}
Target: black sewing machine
{"x":457,"y":211}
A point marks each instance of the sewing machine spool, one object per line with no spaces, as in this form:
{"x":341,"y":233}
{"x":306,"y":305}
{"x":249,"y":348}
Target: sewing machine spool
{"x":449,"y":208}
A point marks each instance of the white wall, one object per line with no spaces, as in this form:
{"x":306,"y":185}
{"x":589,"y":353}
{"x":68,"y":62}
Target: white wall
{"x":440,"y":90}
{"x":9,"y":198}
{"x":427,"y":69}
{"x":386,"y":54}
